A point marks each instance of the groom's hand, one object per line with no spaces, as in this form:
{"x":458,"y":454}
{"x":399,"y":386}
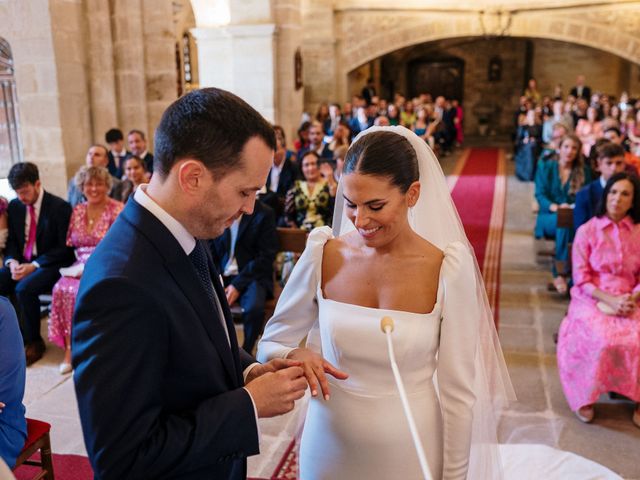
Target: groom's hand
{"x":275,"y":393}
{"x":271,"y":366}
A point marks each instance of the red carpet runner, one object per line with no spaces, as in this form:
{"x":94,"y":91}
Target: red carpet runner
{"x":479,"y":192}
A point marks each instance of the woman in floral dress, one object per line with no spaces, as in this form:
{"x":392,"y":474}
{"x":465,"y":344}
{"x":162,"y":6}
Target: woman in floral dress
{"x":309,"y":203}
{"x":89,"y":223}
{"x":599,"y":340}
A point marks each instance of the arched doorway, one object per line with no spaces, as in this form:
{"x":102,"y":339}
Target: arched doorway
{"x":10,"y":146}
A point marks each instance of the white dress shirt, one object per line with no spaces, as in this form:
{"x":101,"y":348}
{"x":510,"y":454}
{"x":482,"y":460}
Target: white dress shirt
{"x":274,"y":176}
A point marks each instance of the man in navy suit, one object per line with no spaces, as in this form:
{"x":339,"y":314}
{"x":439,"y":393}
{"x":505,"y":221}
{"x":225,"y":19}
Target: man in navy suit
{"x":581,"y":90}
{"x":245,"y":254}
{"x":117,"y":152}
{"x":610,"y":158}
{"x":36,"y":250}
{"x":138,"y":146}
{"x":163,"y":389}
{"x":316,"y":143}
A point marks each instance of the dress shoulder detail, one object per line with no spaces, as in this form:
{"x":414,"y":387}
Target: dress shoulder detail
{"x":319,"y":236}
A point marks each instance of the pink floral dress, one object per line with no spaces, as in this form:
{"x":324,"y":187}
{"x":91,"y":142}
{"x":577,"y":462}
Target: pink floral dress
{"x":600,"y":353}
{"x":85,"y":242}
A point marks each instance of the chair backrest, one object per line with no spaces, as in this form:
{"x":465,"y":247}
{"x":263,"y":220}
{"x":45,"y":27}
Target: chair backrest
{"x":292,"y":239}
{"x":565,"y":217}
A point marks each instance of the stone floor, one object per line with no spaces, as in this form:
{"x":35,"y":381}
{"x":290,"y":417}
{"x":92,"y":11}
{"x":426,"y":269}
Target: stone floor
{"x":529,"y":316}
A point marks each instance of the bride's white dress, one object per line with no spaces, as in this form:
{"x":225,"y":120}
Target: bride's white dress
{"x":361,"y":432}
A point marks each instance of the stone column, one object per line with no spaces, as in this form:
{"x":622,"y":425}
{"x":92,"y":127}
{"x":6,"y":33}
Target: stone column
{"x":129,"y":64}
{"x":104,"y":113}
{"x":289,"y":101}
{"x":71,"y":58}
{"x":160,"y":61}
{"x":239,"y":58}
{"x":319,"y":53}
{"x":27,"y":28}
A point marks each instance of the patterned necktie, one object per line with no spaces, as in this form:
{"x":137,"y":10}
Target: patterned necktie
{"x":198,"y":258}
{"x":31,"y":240}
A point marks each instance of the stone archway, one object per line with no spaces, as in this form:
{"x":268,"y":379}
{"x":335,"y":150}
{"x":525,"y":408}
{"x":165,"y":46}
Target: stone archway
{"x":366,"y":35}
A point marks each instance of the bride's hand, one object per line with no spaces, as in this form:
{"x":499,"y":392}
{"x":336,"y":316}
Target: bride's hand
{"x":315,"y":367}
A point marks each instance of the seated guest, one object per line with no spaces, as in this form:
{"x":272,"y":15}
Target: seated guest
{"x":599,"y":339}
{"x":556,"y":185}
{"x":589,"y":130}
{"x":13,"y":425}
{"x":303,"y":137}
{"x":288,"y":154}
{"x":135,"y":174}
{"x":316,"y":143}
{"x":550,"y":149}
{"x":341,"y":136}
{"x":407,"y":115}
{"x":89,"y":223}
{"x":32,"y":261}
{"x":117,"y":152}
{"x":138,"y":146}
{"x":632,"y":161}
{"x":97,"y":156}
{"x":309,"y":203}
{"x":245,"y":253}
{"x":393,"y":115}
{"x":610,"y":160}
{"x":280,"y":179}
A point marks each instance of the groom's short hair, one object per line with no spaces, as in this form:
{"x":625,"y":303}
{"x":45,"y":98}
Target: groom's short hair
{"x":210,"y":125}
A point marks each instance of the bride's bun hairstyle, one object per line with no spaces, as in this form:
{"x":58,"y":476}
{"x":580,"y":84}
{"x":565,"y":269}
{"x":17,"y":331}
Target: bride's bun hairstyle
{"x":384,"y":154}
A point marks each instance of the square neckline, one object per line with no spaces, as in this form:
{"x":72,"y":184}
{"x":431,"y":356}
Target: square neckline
{"x":320,"y":294}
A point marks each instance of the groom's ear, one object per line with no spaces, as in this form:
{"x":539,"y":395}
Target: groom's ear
{"x":413,"y":193}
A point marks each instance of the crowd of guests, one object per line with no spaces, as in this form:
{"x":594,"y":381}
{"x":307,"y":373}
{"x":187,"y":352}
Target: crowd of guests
{"x":583,"y":152}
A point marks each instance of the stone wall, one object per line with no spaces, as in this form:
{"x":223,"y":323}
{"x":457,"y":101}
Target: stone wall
{"x":27,"y":28}
{"x":558,"y":62}
{"x":82,"y":67}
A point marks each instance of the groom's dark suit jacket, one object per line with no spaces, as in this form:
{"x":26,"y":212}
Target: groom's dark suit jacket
{"x":159,"y":389}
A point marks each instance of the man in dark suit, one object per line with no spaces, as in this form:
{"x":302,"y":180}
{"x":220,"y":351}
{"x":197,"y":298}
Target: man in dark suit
{"x":282,"y":174}
{"x":117,"y":152}
{"x":36,"y":250}
{"x":610,"y":161}
{"x":138,"y":146}
{"x":163,"y":389}
{"x":316,"y":143}
{"x":581,"y":90}
{"x":245,"y":254}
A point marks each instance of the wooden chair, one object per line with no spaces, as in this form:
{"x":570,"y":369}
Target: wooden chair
{"x":290,"y":240}
{"x":37,"y":440}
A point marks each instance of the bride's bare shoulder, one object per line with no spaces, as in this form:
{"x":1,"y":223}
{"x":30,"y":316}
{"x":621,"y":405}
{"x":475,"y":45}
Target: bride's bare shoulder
{"x":427,"y":252}
{"x":338,"y":248}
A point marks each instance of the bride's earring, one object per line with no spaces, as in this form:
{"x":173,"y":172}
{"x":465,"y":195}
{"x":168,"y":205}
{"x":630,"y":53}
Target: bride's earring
{"x":411,"y":217}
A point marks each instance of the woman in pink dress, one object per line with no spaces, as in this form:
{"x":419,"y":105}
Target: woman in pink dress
{"x":599,"y":340}
{"x":89,"y":223}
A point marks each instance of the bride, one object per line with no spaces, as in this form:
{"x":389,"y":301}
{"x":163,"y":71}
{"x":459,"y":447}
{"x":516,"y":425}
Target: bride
{"x":397,"y":249}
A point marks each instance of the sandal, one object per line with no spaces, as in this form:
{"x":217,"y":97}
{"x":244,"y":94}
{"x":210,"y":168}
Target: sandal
{"x":560,"y":285}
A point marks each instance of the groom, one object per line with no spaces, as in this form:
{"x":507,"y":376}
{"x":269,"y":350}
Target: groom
{"x":163,"y":389}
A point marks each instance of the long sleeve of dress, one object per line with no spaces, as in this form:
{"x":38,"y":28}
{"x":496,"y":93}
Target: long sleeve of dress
{"x":456,"y":358}
{"x":297,"y":309}
{"x":543,"y":184}
{"x":580,"y":254}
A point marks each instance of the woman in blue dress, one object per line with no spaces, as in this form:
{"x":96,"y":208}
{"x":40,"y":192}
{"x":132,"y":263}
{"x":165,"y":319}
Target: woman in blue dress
{"x":557,"y":181}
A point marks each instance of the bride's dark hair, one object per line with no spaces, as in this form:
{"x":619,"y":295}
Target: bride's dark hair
{"x":384,"y":154}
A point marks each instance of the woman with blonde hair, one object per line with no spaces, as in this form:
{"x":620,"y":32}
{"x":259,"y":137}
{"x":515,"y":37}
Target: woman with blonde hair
{"x":557,"y":181}
{"x":89,"y":223}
